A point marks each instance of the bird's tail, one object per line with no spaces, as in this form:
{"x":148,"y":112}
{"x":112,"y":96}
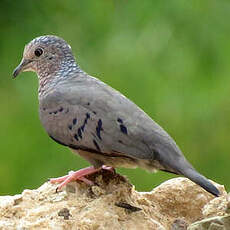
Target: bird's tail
{"x":201,"y":180}
{"x":179,"y":165}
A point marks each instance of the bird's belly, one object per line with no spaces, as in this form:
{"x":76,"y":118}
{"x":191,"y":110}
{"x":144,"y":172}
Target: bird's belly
{"x":99,"y":159}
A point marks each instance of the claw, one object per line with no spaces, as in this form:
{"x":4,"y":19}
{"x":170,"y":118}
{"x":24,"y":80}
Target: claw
{"x":108,"y":168}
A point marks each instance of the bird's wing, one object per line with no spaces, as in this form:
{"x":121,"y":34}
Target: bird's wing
{"x":85,"y":113}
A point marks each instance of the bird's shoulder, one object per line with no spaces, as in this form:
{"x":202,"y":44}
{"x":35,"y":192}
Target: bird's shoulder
{"x":85,"y":90}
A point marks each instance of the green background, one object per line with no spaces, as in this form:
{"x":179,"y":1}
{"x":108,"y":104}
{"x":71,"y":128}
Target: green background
{"x":169,"y":57}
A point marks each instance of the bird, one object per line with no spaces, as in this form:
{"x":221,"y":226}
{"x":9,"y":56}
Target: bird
{"x":96,"y":121}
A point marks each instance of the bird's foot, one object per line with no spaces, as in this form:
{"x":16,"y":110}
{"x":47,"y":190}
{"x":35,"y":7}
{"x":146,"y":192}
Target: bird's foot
{"x":79,"y":175}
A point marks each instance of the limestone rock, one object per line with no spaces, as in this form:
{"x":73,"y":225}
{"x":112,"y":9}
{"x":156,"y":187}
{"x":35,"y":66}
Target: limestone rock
{"x":219,"y":206}
{"x":213,"y":223}
{"x":112,"y":203}
{"x":217,"y":213}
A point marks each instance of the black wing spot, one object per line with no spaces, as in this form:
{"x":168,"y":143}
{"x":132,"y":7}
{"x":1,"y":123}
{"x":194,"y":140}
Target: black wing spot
{"x":123,"y":129}
{"x":100,"y":123}
{"x":74,"y":121}
{"x":56,"y":111}
{"x":94,"y":112}
{"x":76,"y":137}
{"x":87,"y":116}
{"x":99,"y":128}
{"x":96,"y":145}
{"x":120,"y":141}
{"x":85,"y":122}
{"x":119,"y":120}
{"x":88,"y":103}
{"x":70,"y":127}
{"x":82,"y":128}
{"x":79,"y":133}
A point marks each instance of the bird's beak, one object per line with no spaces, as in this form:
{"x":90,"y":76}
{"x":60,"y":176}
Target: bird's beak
{"x":21,"y":67}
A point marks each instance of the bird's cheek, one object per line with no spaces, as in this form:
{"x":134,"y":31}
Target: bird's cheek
{"x":31,"y":66}
{"x":52,"y":66}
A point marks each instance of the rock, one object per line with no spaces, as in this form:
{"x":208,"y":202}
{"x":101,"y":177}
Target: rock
{"x":217,"y":215}
{"x":112,"y":203}
{"x":213,"y":223}
{"x":179,"y":224}
{"x":219,"y":206}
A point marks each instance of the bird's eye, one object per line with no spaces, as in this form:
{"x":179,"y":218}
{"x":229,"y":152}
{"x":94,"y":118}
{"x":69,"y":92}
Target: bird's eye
{"x":38,"y":52}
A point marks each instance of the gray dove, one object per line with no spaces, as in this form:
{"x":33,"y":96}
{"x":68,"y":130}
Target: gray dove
{"x":96,"y":121}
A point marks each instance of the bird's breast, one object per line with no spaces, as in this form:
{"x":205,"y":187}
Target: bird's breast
{"x":54,"y":119}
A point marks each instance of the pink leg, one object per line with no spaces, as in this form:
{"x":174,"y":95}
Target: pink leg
{"x":87,"y":181}
{"x":78,"y":175}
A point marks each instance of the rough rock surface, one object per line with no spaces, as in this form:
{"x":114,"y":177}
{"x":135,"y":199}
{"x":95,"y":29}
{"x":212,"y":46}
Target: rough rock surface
{"x":212,"y":223}
{"x":216,"y":214}
{"x":112,"y":203}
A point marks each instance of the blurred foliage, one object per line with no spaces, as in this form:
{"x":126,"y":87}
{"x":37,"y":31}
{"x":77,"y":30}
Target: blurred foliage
{"x":171,"y":58}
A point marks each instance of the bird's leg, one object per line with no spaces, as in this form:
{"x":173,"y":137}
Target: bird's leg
{"x":73,"y":176}
{"x":79,"y":175}
{"x":87,"y":181}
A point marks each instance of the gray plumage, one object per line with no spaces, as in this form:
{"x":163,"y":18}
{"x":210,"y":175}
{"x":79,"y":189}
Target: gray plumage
{"x":96,"y":121}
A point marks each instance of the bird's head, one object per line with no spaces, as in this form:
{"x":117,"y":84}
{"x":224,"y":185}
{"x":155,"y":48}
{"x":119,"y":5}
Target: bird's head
{"x":45,"y":55}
